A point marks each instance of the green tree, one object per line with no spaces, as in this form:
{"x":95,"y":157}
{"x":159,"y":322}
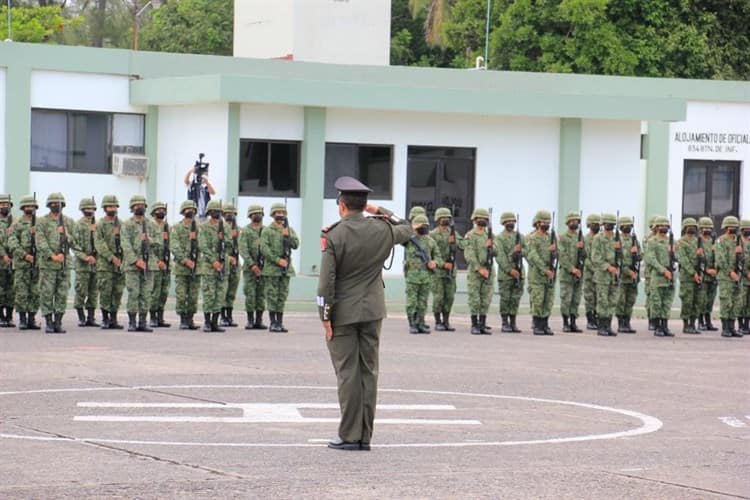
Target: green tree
{"x":408,"y":44}
{"x":35,"y":24}
{"x":435,"y":12}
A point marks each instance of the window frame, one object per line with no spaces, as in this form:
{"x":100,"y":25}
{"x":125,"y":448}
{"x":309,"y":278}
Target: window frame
{"x":709,"y":166}
{"x":357,"y":175}
{"x":270,"y":193}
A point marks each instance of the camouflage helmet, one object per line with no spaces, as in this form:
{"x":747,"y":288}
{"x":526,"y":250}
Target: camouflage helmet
{"x":593,"y":219}
{"x":442,"y":212}
{"x":625,"y":220}
{"x":416,"y":210}
{"x":660,"y":220}
{"x":480,"y":212}
{"x":87,"y":203}
{"x":652,"y":221}
{"x":110,"y":200}
{"x":745,"y":224}
{"x":229,"y":208}
{"x":609,"y":219}
{"x":572,"y":216}
{"x":507,"y":217}
{"x":420,"y":220}
{"x":5,"y":198}
{"x":187,"y":205}
{"x":137,"y":199}
{"x":705,"y":223}
{"x":157,"y":205}
{"x":542,"y":216}
{"x":278,"y":207}
{"x":28,"y":201}
{"x":688,"y":221}
{"x":730,"y":221}
{"x":55,"y":198}
{"x":254,"y":209}
{"x":213,"y":205}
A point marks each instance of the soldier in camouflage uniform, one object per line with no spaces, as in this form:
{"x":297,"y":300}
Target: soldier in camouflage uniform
{"x":233,"y":263}
{"x":444,"y":281}
{"x":160,"y":249}
{"x":252,"y":267}
{"x":87,"y":295}
{"x":416,"y":210}
{"x":744,"y":314}
{"x":707,"y":292}
{"x":6,"y":263}
{"x":508,"y":247}
{"x":728,"y":246}
{"x":653,"y":233}
{"x":606,"y":274}
{"x":278,"y":269}
{"x":571,"y":277}
{"x":630,"y":275}
{"x":183,"y":236}
{"x":421,"y":258}
{"x":540,"y":252}
{"x":479,"y":252}
{"x":139,"y":263}
{"x":690,"y":278}
{"x":53,"y":241}
{"x":212,"y":264}
{"x":109,"y":276}
{"x":593,"y":223}
{"x":22,"y":244}
{"x":662,"y":279}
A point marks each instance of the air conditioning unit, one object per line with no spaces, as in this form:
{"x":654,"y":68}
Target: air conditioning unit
{"x":128,"y":165}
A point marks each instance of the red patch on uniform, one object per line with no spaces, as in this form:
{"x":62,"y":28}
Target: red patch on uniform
{"x":323,"y":243}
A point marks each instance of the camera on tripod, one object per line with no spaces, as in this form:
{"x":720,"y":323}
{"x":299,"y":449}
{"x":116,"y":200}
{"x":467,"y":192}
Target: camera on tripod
{"x":201,"y":167}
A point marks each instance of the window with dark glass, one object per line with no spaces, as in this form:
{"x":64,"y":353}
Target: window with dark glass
{"x":83,"y":141}
{"x":711,"y":188}
{"x":269,"y":168}
{"x":371,"y":164}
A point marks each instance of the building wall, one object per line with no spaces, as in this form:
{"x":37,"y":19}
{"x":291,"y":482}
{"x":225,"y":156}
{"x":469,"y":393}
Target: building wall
{"x":263,"y":28}
{"x":2,"y":130}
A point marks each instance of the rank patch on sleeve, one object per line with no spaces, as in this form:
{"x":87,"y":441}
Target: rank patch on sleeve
{"x":323,"y":243}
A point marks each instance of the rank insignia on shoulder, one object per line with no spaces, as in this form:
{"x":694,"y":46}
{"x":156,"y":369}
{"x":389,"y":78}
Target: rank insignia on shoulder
{"x":323,"y":243}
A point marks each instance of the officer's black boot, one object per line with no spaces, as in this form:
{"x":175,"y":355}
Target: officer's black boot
{"x":665,"y":327}
{"x":230,"y":310}
{"x":591,"y":321}
{"x":143,"y":323}
{"x":31,"y":323}
{"x":538,"y":325}
{"x":513,"y":327}
{"x":725,"y":331}
{"x":105,"y":320}
{"x":215,"y":323}
{"x":282,"y":328}
{"x":81,"y":316}
{"x":91,"y":317}
{"x":58,"y":323}
{"x":447,"y":323}
{"x":439,"y":326}
{"x":132,"y":325}
{"x":49,"y":324}
{"x":113,"y":324}
{"x":483,"y":325}
{"x":709,"y":326}
{"x":505,"y":327}
{"x":475,"y":325}
{"x":258,"y":325}
{"x":154,"y":319}
{"x":22,"y":325}
{"x":249,"y":324}
{"x":206,"y":322}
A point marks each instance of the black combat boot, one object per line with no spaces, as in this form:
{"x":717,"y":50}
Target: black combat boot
{"x":91,"y":317}
{"x":230,"y":311}
{"x":702,"y":322}
{"x":447,"y":323}
{"x":143,"y":323}
{"x":206,"y":322}
{"x":422,"y":325}
{"x":513,"y":327}
{"x":3,"y":319}
{"x":604,"y":325}
{"x":58,"y":323}
{"x":22,"y":325}
{"x":505,"y":326}
{"x":154,"y":323}
{"x":651,"y":325}
{"x":9,"y":317}
{"x":215,"y":323}
{"x":258,"y":325}
{"x":692,"y":325}
{"x":282,"y":328}
{"x":686,"y":326}
{"x":183,"y":322}
{"x":573,"y":327}
{"x":81,"y":316}
{"x":439,"y":326}
{"x":538,"y":325}
{"x":475,"y":330}
{"x":610,"y":331}
{"x":658,"y":329}
{"x":665,"y":327}
{"x":160,"y":323}
{"x":412,"y":324}
{"x":190,"y":323}
{"x":486,"y":330}
{"x":626,"y":328}
{"x":744,"y":326}
{"x":725,"y":331}
{"x":249,"y":324}
{"x":591,"y":321}
{"x":49,"y":324}
{"x":709,"y":326}
{"x":113,"y":324}
{"x":31,"y":323}
{"x":566,"y":323}
{"x":545,"y":325}
{"x":272,"y":321}
{"x":105,"y":320}
{"x":223,"y":318}
{"x":132,"y":325}
{"x":732,"y":329}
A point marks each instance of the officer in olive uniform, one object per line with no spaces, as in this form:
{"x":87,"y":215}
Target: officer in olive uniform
{"x":87,"y":294}
{"x":690,"y":279}
{"x":109,"y":255}
{"x":212,"y":263}
{"x":728,"y":247}
{"x":184,"y":245}
{"x":479,"y":252}
{"x":593,"y":223}
{"x":606,"y":274}
{"x":571,"y":276}
{"x":54,"y":242}
{"x":6,"y":263}
{"x":233,"y":263}
{"x":22,"y":246}
{"x":448,"y":241}
{"x":160,"y":249}
{"x":630,"y":277}
{"x":351,"y":302}
{"x":252,"y":268}
{"x":421,"y":258}
{"x":277,"y":242}
{"x":541,"y":251}
{"x":707,"y":292}
{"x":662,"y":278}
{"x":139,"y":263}
{"x":508,"y":247}
{"x":744,"y":314}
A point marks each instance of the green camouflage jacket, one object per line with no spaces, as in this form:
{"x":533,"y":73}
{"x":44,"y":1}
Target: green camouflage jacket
{"x":567,"y":246}
{"x":84,"y":234}
{"x":475,"y":251}
{"x":105,"y":239}
{"x":250,"y":245}
{"x":537,"y":253}
{"x":132,"y":244}
{"x":687,"y":258}
{"x":272,"y":246}
{"x":49,"y":240}
{"x":414,"y":266}
{"x":179,"y":238}
{"x":442,"y":241}
{"x":19,"y":242}
{"x":208,"y":248}
{"x":504,"y":245}
{"x":726,"y":259}
{"x":657,"y":261}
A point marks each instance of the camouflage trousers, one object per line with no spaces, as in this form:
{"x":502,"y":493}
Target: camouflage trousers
{"x":707,"y":296}
{"x":255,"y":293}
{"x":87,"y":292}
{"x":606,"y":300}
{"x":277,"y":290}
{"x":626,"y":299}
{"x":417,"y":293}
{"x":647,"y":289}
{"x":443,"y":293}
{"x":729,"y":299}
{"x":54,"y":286}
{"x":570,"y":297}
{"x":480,"y":293}
{"x":160,"y":292}
{"x":111,"y":286}
{"x":541,"y":298}
{"x":690,"y":299}
{"x":661,"y":302}
{"x":510,"y":296}
{"x":745,"y":301}
{"x":140,"y":288}
{"x":589,"y":291}
{"x":26,"y":290}
{"x":233,"y":281}
{"x":7,"y":294}
{"x":213,"y":292}
{"x":186,"y":289}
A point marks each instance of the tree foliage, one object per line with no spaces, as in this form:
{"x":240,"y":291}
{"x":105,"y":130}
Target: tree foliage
{"x":409,"y":45}
{"x":35,"y":24}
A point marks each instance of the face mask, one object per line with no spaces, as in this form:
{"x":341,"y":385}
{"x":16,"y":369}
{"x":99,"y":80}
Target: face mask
{"x":544,"y":227}
{"x":573,"y":227}
{"x":256,"y":218}
{"x":160,"y":215}
{"x":111,"y":213}
{"x":663,"y":230}
{"x":690,"y":230}
{"x":595,"y":228}
{"x":482,"y":223}
{"x":746,"y":234}
{"x":229,"y":217}
{"x":510,"y":227}
{"x":139,"y":211}
{"x":189,"y":214}
{"x":4,"y":211}
{"x":732,"y":230}
{"x":88,"y":213}
{"x":445,"y":222}
{"x":707,"y":232}
{"x":609,"y":227}
{"x":29,"y":211}
{"x":423,"y":230}
{"x":279,"y":218}
{"x":55,"y":209}
{"x":215,"y":214}
{"x":627,"y":229}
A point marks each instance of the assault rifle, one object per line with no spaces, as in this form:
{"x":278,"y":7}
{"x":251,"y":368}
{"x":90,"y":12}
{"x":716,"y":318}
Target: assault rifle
{"x":118,"y":242}
{"x":518,"y":255}
{"x":220,"y":245}
{"x":580,"y":252}
{"x":193,"y":245}
{"x":63,"y":235}
{"x":672,"y":258}
{"x":635,"y":258}
{"x":235,"y":252}
{"x":144,"y":246}
{"x":421,"y":252}
{"x":553,"y":255}
{"x":739,"y":261}
{"x":166,"y":251}
{"x":92,"y":230}
{"x":261,"y":261}
{"x":618,"y":252}
{"x":700,"y":265}
{"x":452,"y":246}
{"x":8,"y":231}
{"x":488,"y":261}
{"x":286,"y":244}
{"x":32,"y":244}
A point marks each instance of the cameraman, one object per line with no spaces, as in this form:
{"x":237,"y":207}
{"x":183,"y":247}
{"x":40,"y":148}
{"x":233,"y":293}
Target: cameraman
{"x":204,"y":191}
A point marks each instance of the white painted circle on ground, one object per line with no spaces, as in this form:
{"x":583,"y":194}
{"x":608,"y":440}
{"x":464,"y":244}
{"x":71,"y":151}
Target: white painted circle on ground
{"x":648,"y":425}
